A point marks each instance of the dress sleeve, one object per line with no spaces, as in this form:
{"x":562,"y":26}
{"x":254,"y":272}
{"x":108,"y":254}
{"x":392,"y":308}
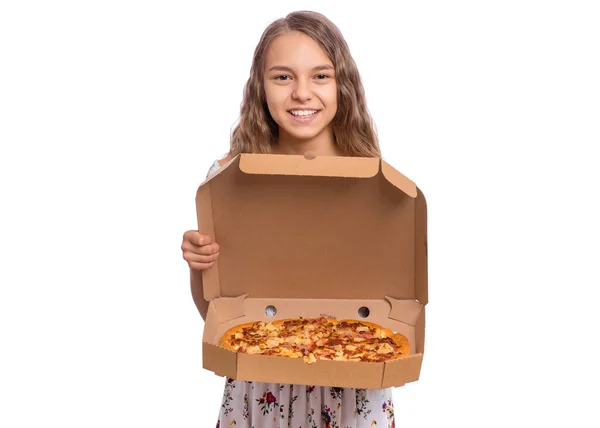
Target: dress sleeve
{"x":214,"y":168}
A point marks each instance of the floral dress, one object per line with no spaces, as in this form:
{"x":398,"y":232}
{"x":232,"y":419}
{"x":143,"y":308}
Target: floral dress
{"x":271,"y":405}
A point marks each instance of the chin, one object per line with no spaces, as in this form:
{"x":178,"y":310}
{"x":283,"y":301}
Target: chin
{"x":306,"y":135}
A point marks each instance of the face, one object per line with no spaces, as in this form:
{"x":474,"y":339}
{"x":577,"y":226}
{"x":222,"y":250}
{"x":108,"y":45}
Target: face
{"x":301,"y":91}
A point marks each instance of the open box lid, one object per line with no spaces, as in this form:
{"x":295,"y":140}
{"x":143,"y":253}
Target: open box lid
{"x":323,"y":227}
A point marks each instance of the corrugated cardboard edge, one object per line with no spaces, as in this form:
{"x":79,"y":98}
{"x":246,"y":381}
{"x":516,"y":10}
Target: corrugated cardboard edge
{"x":398,"y":179}
{"x":421,"y":278}
{"x":210,"y":277}
{"x":421,"y":275}
{"x":330,"y":166}
{"x":420,"y":333}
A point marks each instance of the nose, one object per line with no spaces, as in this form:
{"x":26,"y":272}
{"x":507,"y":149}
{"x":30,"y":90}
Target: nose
{"x":302,"y":90}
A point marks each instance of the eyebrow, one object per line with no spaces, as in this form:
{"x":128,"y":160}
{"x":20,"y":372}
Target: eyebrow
{"x":318,"y":67}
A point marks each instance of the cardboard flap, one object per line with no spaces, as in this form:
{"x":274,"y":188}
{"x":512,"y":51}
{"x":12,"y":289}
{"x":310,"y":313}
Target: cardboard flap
{"x":326,"y":227}
{"x":398,"y":179}
{"x":210,"y":277}
{"x":406,"y":311}
{"x":309,"y":166}
{"x":228,"y":308}
{"x":421,"y":277}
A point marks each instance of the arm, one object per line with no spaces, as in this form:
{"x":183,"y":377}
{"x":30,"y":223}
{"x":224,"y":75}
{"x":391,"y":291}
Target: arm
{"x":201,"y":252}
{"x":196,"y":285}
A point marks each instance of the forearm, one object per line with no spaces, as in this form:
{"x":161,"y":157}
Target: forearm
{"x":197,"y":293}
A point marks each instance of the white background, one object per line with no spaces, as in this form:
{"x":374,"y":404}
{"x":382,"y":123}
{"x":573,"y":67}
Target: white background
{"x":111,"y":113}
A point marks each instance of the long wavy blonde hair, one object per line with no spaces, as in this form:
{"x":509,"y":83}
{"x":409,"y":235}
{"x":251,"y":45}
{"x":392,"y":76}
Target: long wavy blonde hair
{"x":353,"y":128}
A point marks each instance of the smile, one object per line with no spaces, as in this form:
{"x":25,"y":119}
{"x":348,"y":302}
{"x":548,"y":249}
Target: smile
{"x":304,"y":115}
{"x":303,"y":112}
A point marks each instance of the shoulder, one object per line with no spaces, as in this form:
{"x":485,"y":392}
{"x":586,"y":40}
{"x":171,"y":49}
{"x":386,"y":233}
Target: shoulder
{"x":218,"y":164}
{"x":226,"y":159}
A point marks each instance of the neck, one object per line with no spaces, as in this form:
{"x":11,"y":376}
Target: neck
{"x":321,"y":145}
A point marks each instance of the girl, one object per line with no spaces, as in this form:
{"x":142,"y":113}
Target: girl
{"x":304,"y":94}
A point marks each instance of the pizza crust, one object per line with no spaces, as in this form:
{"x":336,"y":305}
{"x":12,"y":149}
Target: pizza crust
{"x":225,"y":339}
{"x":403,"y":343}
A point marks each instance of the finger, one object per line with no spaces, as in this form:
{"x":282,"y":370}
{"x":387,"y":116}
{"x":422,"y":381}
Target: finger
{"x":208,"y":250}
{"x":200,"y":266}
{"x":203,"y":240}
{"x":205,"y":250}
{"x":198,"y":258}
{"x":197,"y":238}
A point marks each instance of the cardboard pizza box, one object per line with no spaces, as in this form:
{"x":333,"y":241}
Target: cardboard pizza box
{"x":306,"y":236}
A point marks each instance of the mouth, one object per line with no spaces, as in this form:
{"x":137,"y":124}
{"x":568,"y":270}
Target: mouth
{"x":304,"y":115}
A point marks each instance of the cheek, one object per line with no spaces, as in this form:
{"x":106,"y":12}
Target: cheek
{"x":330,"y":96}
{"x":272,"y":105}
{"x":335,"y":99}
{"x":274,"y":95}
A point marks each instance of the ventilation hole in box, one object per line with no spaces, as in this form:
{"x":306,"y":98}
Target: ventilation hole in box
{"x":270,"y":310}
{"x":363,"y":312}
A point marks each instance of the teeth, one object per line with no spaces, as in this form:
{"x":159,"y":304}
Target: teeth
{"x":303,"y":112}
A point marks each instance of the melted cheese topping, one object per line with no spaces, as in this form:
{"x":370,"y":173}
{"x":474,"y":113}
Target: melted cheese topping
{"x":313,"y":339}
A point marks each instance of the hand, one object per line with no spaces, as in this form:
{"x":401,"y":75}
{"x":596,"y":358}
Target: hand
{"x":200,"y":251}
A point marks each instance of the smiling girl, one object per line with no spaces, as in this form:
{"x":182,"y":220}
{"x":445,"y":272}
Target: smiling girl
{"x":304,"y":94}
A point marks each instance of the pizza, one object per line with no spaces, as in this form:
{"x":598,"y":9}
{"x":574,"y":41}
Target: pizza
{"x":317,"y":339}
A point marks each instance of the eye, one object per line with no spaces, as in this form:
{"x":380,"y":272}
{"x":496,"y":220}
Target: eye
{"x":282,"y":77}
{"x":322,"y":76}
